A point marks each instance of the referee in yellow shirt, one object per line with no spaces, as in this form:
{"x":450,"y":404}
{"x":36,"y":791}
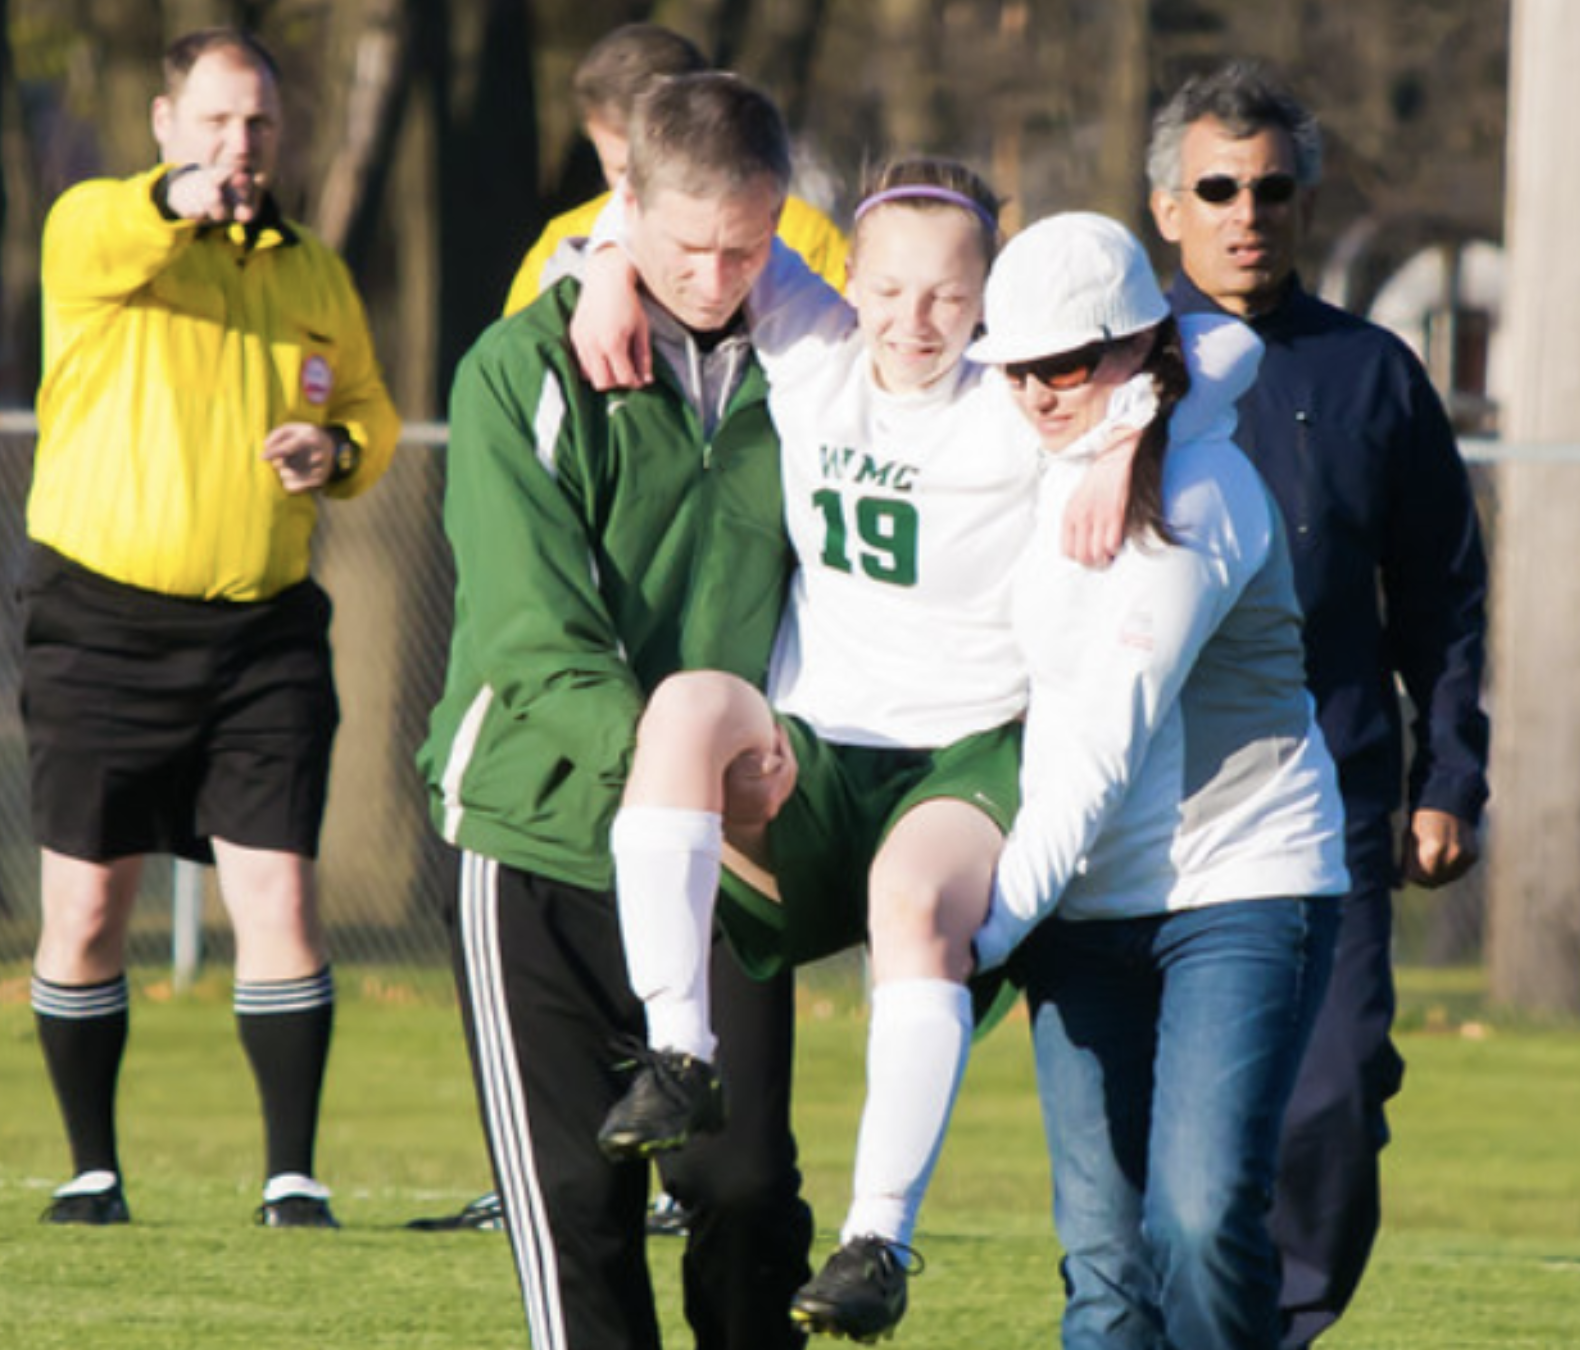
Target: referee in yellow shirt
{"x":208,"y":377}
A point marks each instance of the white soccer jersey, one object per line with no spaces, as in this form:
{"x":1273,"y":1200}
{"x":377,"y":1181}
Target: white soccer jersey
{"x":907,"y":515}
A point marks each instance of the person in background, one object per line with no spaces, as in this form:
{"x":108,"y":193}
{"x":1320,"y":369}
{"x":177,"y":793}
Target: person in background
{"x":1389,"y":568}
{"x":608,"y":81}
{"x":208,"y":380}
{"x":601,"y":544}
{"x":1169,"y":886}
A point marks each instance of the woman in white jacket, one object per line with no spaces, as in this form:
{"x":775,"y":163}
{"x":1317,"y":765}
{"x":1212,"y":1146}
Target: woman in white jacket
{"x":1167,"y":889}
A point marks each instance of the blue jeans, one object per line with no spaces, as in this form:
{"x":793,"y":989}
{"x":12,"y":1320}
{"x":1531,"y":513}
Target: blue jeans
{"x":1166,"y":1050}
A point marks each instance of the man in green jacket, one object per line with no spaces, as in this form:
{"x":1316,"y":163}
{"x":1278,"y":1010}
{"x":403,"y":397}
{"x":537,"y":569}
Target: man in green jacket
{"x":602,"y":542}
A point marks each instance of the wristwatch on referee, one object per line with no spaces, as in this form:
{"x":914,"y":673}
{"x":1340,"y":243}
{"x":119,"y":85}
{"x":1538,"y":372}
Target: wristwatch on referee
{"x":348,"y":454}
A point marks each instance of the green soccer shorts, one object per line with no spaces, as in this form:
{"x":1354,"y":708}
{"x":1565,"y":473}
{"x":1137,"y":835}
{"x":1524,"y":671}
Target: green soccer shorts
{"x":846,"y":800}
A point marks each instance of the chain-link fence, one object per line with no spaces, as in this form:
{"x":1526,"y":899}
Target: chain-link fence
{"x":383,"y":559}
{"x":384,"y":873}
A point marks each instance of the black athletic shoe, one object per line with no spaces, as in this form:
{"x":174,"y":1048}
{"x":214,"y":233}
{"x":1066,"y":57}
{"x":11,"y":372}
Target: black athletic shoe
{"x":485,"y":1214}
{"x":297,"y":1211}
{"x":98,"y":1208}
{"x":672,"y":1097}
{"x":859,"y":1293}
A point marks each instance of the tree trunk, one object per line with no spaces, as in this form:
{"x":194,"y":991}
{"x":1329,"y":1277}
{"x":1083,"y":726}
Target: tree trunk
{"x":1534,"y":929}
{"x":909,"y":74}
{"x":363,"y":74}
{"x":778,"y":49}
{"x":125,"y":62}
{"x":1009,"y":112}
{"x":1120,"y":191}
{"x":21,"y":218}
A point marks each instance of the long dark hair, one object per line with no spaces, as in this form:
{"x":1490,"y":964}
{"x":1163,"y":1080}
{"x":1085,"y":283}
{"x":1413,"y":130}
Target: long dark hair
{"x":1166,"y":364}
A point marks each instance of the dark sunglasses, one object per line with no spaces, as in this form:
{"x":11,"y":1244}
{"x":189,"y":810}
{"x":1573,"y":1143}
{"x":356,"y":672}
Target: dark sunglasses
{"x":1068,"y":370}
{"x":1271,"y":189}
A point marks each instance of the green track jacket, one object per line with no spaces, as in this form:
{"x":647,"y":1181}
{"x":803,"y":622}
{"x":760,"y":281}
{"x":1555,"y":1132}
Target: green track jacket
{"x":602,"y":542}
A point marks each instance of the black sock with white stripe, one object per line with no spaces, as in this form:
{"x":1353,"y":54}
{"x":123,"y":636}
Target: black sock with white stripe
{"x":285,"y":1028}
{"x":82,"y":1031}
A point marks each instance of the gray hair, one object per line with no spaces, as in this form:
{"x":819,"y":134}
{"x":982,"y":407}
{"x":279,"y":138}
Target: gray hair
{"x":1247,"y":98}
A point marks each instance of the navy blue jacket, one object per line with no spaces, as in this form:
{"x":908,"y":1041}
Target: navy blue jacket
{"x":1353,"y":442}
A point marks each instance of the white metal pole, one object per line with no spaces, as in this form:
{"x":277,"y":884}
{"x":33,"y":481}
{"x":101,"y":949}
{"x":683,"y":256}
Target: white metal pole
{"x":186,"y":922}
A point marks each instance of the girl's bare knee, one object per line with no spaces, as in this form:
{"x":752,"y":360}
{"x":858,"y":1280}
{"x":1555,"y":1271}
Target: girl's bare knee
{"x":704,"y":713}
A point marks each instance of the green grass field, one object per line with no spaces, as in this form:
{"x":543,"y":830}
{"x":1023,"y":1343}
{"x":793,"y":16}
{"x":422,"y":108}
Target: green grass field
{"x":1481,"y":1246}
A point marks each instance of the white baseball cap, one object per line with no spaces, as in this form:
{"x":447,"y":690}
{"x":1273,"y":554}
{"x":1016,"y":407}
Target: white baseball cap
{"x":1066,"y":282}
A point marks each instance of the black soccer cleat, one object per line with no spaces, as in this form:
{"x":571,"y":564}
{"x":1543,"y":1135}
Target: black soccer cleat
{"x":672,"y":1097}
{"x":297,"y":1211}
{"x":96,"y":1208}
{"x":859,"y":1293}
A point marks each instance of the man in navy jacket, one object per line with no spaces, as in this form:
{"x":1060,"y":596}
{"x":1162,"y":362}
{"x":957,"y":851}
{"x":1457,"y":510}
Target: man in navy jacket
{"x":1355,"y":445}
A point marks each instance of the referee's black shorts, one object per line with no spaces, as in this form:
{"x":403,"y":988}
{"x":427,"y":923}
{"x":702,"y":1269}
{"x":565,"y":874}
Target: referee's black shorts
{"x":156,"y":723}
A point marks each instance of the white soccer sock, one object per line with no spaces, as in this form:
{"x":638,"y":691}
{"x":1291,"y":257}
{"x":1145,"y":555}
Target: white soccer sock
{"x":666,"y":867}
{"x":917,"y":1048}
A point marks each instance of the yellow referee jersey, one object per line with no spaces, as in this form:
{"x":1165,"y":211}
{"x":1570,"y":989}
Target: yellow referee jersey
{"x":170,"y":352}
{"x":802,"y":226}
